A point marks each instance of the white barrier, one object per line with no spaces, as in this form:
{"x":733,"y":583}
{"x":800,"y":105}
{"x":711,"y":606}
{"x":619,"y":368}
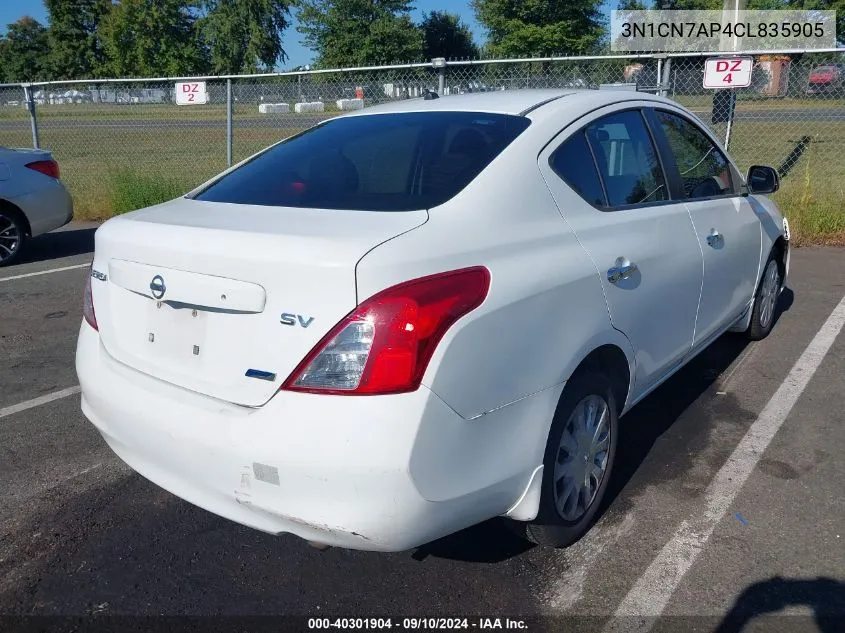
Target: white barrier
{"x":350,"y":104}
{"x":274,"y":108}
{"x":313,"y":106}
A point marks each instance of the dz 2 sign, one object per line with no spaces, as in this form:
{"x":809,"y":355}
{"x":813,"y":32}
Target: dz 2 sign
{"x":191,"y":93}
{"x":731,"y":72}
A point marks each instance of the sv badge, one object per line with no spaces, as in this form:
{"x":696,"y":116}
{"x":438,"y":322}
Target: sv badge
{"x":292,"y":319}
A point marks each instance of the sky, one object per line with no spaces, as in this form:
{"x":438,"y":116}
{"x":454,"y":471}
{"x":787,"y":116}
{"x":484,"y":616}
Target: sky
{"x":13,"y":10}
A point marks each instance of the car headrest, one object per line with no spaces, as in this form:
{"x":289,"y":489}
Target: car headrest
{"x":334,"y":173}
{"x":468,"y":141}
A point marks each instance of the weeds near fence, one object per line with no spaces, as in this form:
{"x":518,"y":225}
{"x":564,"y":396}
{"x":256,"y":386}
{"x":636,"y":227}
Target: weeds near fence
{"x":130,"y":190}
{"x":815,"y":207}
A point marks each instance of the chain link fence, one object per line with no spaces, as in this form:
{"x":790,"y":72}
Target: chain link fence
{"x":105,"y":133}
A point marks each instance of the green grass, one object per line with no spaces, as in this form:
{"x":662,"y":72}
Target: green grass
{"x":769,"y":104}
{"x":812,"y":194}
{"x":814,"y":205}
{"x":147,"y":111}
{"x":130,"y":189}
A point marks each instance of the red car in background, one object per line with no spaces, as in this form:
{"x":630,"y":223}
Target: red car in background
{"x":827,"y":79}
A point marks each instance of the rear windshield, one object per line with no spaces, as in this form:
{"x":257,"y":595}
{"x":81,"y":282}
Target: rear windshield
{"x":377,"y":162}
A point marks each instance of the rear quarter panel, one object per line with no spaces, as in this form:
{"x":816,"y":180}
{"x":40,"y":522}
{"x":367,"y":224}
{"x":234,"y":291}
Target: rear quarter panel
{"x":545,"y":310}
{"x":46,"y":208}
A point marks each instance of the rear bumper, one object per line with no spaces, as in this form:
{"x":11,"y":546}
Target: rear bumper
{"x":47,"y":208}
{"x":824,"y":88}
{"x":344,"y":471}
{"x":786,"y":263}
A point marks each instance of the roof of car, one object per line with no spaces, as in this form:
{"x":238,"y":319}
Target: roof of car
{"x":518,"y":102}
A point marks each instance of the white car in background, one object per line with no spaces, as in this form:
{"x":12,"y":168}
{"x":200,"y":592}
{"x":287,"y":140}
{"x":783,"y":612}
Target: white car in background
{"x":408,"y":320}
{"x":32,"y":199}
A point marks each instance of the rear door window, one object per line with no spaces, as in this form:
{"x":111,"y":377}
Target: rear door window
{"x":626,"y":159}
{"x":379,"y":162}
{"x":573,"y":161}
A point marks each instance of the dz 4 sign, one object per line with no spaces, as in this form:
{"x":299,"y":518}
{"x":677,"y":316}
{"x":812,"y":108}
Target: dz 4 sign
{"x":191,"y":93}
{"x":731,"y":72}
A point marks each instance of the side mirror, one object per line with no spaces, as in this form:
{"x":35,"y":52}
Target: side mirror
{"x":762,"y":179}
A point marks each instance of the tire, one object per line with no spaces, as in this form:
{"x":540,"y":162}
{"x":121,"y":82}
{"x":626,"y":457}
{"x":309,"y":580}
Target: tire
{"x":560,"y":527}
{"x":765,"y":301}
{"x":12,"y":236}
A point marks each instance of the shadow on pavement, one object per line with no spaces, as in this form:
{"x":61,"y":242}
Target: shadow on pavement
{"x":58,"y":244}
{"x":488,"y":542}
{"x":651,"y":418}
{"x":825,"y":596}
{"x":639,"y":430}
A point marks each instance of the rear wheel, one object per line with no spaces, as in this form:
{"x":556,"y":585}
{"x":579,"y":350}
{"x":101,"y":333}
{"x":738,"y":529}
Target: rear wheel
{"x":12,"y":235}
{"x":765,"y":301}
{"x":579,"y":457}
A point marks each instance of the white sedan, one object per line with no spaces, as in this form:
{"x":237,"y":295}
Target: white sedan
{"x":408,"y":320}
{"x":32,"y":199}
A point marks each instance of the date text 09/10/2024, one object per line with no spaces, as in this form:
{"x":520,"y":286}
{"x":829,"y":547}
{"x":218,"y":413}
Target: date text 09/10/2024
{"x":416,"y":624}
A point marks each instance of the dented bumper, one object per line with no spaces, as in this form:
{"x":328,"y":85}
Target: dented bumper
{"x":330,"y":469}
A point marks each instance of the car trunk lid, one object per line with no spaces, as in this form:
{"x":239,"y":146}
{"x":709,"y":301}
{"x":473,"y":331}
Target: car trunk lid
{"x":226,"y":299}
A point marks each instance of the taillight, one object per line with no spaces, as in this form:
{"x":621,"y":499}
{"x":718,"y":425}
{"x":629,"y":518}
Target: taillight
{"x":46,"y":167}
{"x":88,"y":304}
{"x":385,"y":344}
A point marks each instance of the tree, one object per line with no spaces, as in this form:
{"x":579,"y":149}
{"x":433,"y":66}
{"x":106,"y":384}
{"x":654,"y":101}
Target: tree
{"x":360,"y":32}
{"x":824,"y":5}
{"x":149,"y":38}
{"x":23,"y":51}
{"x":519,"y":28}
{"x":76,"y":50}
{"x":444,"y":35}
{"x":245,"y":35}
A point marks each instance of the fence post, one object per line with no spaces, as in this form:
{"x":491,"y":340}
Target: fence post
{"x":30,"y":105}
{"x":440,"y":64}
{"x":731,"y":106}
{"x":664,"y":77}
{"x":659,"y":76}
{"x":228,"y":123}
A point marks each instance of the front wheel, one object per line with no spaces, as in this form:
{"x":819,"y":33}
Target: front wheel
{"x":579,"y":457}
{"x":765,"y":301}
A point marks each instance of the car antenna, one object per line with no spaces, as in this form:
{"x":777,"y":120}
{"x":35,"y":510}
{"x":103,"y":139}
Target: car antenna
{"x":430,"y":94}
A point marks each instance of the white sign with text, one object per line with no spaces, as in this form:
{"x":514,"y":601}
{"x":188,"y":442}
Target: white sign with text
{"x":730,"y":72}
{"x":191,"y":93}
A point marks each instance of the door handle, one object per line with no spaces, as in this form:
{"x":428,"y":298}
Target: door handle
{"x":622,"y":269}
{"x":714,"y":239}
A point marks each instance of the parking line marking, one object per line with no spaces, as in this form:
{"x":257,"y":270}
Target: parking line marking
{"x":36,"y":402}
{"x":45,"y":272}
{"x":649,"y":596}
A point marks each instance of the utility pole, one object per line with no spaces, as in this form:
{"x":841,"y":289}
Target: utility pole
{"x":731,"y":13}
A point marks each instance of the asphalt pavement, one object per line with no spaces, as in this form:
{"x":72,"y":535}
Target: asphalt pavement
{"x":725,"y":509}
